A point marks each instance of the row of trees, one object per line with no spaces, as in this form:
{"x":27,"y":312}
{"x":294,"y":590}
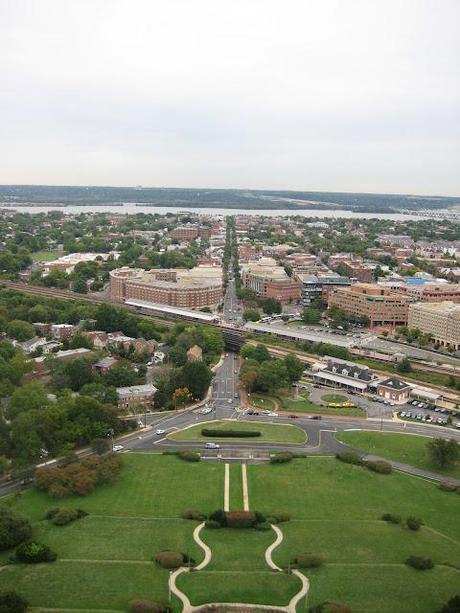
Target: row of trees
{"x":260,"y":372}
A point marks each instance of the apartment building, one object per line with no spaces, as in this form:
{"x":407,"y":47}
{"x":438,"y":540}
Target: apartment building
{"x":269,"y":280}
{"x":316,"y":287}
{"x":439,"y":319}
{"x":383,"y":307}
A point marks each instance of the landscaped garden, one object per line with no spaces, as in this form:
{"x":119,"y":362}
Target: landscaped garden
{"x":404,"y":448}
{"x":269,"y":433}
{"x":334,"y":398}
{"x":334,"y":513}
{"x":302,"y":404}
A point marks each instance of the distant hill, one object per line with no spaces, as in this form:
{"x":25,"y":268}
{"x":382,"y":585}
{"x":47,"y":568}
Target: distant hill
{"x":219,"y":198}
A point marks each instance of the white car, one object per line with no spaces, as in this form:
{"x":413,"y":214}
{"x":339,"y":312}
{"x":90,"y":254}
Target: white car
{"x":212,"y":446}
{"x":272,"y":414}
{"x":118,"y":447}
{"x":159,"y":431}
{"x":206,"y":411}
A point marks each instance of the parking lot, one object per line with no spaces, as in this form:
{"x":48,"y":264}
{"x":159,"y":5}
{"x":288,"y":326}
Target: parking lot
{"x":428,"y":413}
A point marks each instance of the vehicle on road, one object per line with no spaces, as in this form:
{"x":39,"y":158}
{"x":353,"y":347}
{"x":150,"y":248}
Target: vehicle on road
{"x":272,"y":414}
{"x":315,"y":417}
{"x":206,"y":411}
{"x":293,"y":416}
{"x":118,"y":447}
{"x":230,"y":400}
{"x":212,"y":446}
{"x":159,"y":431}
{"x":236,"y":395}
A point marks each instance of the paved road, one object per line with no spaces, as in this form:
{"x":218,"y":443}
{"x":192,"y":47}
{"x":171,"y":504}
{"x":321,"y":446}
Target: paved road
{"x":231,"y":313}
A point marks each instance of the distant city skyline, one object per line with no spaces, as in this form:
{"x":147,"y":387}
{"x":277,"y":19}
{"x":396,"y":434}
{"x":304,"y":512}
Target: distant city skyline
{"x":324,"y":95}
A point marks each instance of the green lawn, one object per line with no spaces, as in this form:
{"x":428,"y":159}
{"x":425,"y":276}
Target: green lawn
{"x":305,"y":406}
{"x":404,"y":448}
{"x":334,"y":398}
{"x":46,"y":256}
{"x":263,"y":403}
{"x":270,"y":433}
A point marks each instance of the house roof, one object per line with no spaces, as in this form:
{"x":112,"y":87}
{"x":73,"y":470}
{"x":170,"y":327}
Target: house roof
{"x":394,"y":384}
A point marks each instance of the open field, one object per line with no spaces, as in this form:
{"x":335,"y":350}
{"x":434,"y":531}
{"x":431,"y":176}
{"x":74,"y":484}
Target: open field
{"x":104,"y":560}
{"x":46,"y":256}
{"x":270,"y":433}
{"x":403,"y":448}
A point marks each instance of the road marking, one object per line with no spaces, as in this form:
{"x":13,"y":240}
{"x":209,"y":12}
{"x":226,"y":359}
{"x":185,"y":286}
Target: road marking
{"x":244,"y":479}
{"x":227,"y":488}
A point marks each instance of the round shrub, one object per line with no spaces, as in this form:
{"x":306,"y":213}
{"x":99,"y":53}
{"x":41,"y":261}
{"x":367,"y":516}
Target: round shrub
{"x":193,"y":514}
{"x":447,"y":486}
{"x":64,"y":517}
{"x":280,"y":517}
{"x":391,"y":518}
{"x":281,"y":458}
{"x":189,"y":456}
{"x":219,"y":516}
{"x":413,"y":523}
{"x":420,"y":563}
{"x":309,"y":560}
{"x":263,"y":526}
{"x":145,"y":606}
{"x":240,"y":519}
{"x":212,"y":525}
{"x":14,"y":529}
{"x":169,"y":559}
{"x":379,"y":466}
{"x":50,"y":513}
{"x":452,"y":606}
{"x":34,"y":553}
{"x":260,"y":517}
{"x":81,"y":513}
{"x":330,"y":607}
{"x":12,"y":602}
{"x":349,"y":457}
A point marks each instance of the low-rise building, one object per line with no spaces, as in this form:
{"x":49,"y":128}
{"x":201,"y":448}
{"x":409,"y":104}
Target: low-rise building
{"x":316,"y":287}
{"x":441,"y":320}
{"x":394,"y":390}
{"x":62,"y":331}
{"x":267,"y":279}
{"x":135,"y":395}
{"x":342,"y":373}
{"x":195,"y":354}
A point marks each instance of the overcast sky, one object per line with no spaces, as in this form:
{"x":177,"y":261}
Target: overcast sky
{"x":343,"y":95}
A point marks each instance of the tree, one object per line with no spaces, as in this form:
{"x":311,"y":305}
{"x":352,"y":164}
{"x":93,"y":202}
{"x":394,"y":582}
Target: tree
{"x":443,"y":452}
{"x":311,"y":315}
{"x":80,"y":286}
{"x":12,"y":602}
{"x":260,"y":353}
{"x":294,"y":367}
{"x":107,"y":394}
{"x":14,"y":529}
{"x":80,"y":340}
{"x":121,"y":375}
{"x":251,"y":315}
{"x":247,"y":351}
{"x":178,"y":355}
{"x":79,"y":372}
{"x":4,"y":466}
{"x":272,"y":375}
{"x":181,"y":395}
{"x":20,"y":330}
{"x":404,"y":366}
{"x":26,"y":398}
{"x":452,"y":606}
{"x":100,"y":445}
{"x":271,"y":305}
{"x":196,"y":376}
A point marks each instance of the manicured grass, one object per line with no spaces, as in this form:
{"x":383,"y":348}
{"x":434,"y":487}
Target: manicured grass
{"x":305,"y":406}
{"x":237,"y":549}
{"x":324,"y":488}
{"x":404,"y":448}
{"x":236,"y":487}
{"x":46,"y":256}
{"x":270,"y":433}
{"x":259,"y":588}
{"x":263,"y":403}
{"x":383,"y":589}
{"x":334,"y":398}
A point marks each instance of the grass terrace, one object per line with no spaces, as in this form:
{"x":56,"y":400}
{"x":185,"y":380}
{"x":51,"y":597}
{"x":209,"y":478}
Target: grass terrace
{"x":405,"y":448}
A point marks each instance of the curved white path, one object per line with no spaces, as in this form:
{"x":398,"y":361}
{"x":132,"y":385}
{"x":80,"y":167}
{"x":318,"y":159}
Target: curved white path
{"x":270,"y":549}
{"x":204,"y":547}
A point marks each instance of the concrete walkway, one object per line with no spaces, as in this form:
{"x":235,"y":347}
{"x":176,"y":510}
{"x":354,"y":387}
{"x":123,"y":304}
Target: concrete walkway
{"x":244,"y":479}
{"x":204,"y":547}
{"x":272,"y":547}
{"x":227,"y":488}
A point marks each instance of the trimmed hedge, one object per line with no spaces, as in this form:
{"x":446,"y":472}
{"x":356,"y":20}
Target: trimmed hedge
{"x":241,"y":519}
{"x":349,"y":457}
{"x":212,"y":524}
{"x":146,"y":606}
{"x":279,"y":518}
{"x":62,"y":517}
{"x":420,"y":563}
{"x":34,"y":553}
{"x":262,"y":526}
{"x":170,"y":559}
{"x":379,"y":466}
{"x":309,"y":560}
{"x":391,"y":518}
{"x":193,"y":514}
{"x":220,"y":517}
{"x":189,"y":456}
{"x":281,"y":458}
{"x":230,"y":433}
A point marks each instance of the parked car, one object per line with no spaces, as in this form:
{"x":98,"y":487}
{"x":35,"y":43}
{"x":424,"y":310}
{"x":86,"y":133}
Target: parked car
{"x":118,"y":447}
{"x":159,"y":431}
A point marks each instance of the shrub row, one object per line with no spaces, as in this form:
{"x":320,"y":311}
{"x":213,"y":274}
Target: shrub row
{"x":420,"y":563}
{"x":189,"y":456}
{"x":172,"y":559}
{"x":79,"y":478}
{"x":146,"y":606}
{"x":330,"y":607}
{"x":62,"y":517}
{"x":308,"y":560}
{"x":281,"y":458}
{"x":230,"y":433}
{"x":377,"y":466}
{"x":413,"y":523}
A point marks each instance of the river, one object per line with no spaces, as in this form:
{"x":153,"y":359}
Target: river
{"x":130,"y":208}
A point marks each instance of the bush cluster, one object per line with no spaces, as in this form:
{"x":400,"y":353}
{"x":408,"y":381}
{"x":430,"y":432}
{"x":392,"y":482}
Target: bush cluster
{"x":241,"y":519}
{"x":278,"y":518}
{"x":447,"y":486}
{"x":452,"y":606}
{"x":146,"y":606}
{"x":420,"y":563}
{"x":392,"y":518}
{"x":349,"y":457}
{"x":62,"y":517}
{"x":193,"y":514}
{"x":281,"y":458}
{"x":330,"y":607}
{"x":414,"y":523}
{"x":34,"y":553}
{"x":79,"y":478}
{"x":170,"y":559}
{"x":379,"y":466}
{"x":189,"y":456}
{"x":308,"y":560}
{"x":14,"y":529}
{"x":230,"y":433}
{"x":12,"y":602}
